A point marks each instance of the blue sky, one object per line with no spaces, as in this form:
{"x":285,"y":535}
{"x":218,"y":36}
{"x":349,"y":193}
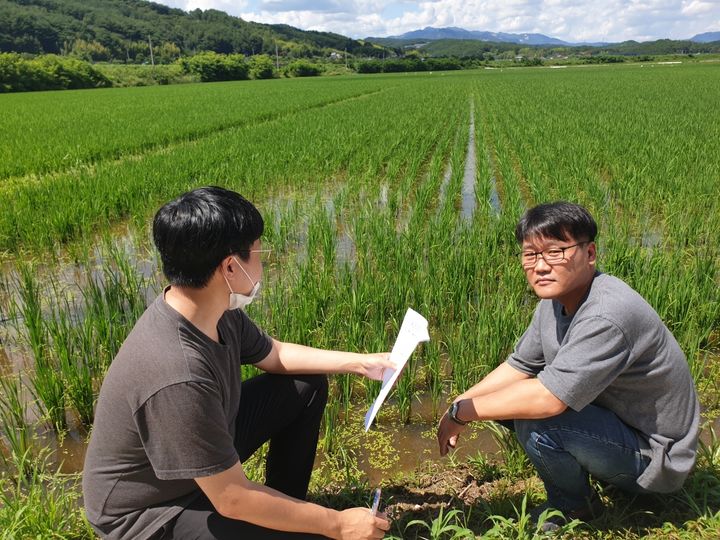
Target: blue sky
{"x":570,"y":20}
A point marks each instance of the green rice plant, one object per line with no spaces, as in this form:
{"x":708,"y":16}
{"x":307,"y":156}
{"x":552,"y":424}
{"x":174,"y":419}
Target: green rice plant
{"x":434,"y":376}
{"x":30,"y":309}
{"x":486,"y":468}
{"x":447,"y":526}
{"x":515,"y":463}
{"x":45,"y":382}
{"x":76,"y":372}
{"x":405,"y":389}
{"x":48,"y":389}
{"x":701,"y":492}
{"x":14,"y":426}
{"x":331,"y":419}
{"x":522,"y":527}
{"x":41,"y":504}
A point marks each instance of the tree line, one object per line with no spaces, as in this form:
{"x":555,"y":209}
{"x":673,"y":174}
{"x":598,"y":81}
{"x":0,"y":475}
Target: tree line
{"x":132,"y":30}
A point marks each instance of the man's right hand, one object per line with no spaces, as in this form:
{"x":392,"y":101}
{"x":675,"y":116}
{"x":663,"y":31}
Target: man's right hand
{"x":360,"y":524}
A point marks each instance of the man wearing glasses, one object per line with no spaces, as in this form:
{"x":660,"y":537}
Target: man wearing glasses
{"x":597,"y":385}
{"x":171,"y":431}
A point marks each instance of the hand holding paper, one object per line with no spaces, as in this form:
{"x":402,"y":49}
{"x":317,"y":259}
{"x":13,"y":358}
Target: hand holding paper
{"x":413,"y":330}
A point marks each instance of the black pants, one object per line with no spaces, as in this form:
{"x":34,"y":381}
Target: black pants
{"x":286,"y":410}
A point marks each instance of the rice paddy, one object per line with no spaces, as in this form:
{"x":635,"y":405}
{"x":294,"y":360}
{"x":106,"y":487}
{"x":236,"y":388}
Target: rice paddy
{"x":379,"y":193}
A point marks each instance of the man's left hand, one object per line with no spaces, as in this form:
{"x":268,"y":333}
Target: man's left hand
{"x":448,"y":434}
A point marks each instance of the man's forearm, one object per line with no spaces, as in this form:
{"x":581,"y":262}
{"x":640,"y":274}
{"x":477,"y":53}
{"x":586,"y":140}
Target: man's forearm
{"x":272,"y":509}
{"x":501,"y":376}
{"x":522,"y":399}
{"x":294,"y":358}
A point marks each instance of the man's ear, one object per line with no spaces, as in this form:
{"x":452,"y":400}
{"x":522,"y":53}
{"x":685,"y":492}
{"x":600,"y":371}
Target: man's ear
{"x":226,"y":267}
{"x":592,"y":253}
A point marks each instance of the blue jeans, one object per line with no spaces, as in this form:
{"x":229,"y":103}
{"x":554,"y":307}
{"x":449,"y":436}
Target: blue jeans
{"x":566,"y":447}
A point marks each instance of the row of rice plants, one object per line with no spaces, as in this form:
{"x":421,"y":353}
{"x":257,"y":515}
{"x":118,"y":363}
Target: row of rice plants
{"x":88,"y":126}
{"x":640,"y":149}
{"x":372,"y":136}
{"x":410,"y":247}
{"x":387,"y":235}
{"x":72,"y":333}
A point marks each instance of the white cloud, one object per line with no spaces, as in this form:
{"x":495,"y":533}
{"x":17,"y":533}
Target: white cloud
{"x":571,"y":20}
{"x":697,"y":8}
{"x":228,"y":6}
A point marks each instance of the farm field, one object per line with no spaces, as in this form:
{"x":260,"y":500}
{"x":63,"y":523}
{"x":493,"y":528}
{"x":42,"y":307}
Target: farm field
{"x":379,"y":193}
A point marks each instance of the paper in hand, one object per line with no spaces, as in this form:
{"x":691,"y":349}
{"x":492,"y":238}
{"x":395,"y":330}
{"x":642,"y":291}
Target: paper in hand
{"x":414,"y":329}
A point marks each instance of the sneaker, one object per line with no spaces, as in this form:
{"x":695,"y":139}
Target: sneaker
{"x":555,"y":518}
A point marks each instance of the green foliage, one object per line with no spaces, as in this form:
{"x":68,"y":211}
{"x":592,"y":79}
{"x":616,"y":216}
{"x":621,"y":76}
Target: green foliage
{"x":447,"y":526}
{"x":211,"y":66}
{"x":123,"y":27}
{"x":262,"y":67}
{"x":602,"y":59}
{"x":303,"y":68}
{"x":49,"y":72}
{"x":522,"y":527}
{"x":41,"y":504}
{"x":121,"y":75}
{"x":486,"y":50}
{"x":412,"y":63}
{"x":90,"y":51}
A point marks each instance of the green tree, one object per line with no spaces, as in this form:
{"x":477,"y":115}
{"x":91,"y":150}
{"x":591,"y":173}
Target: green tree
{"x":90,"y":51}
{"x":167,"y":53}
{"x":211,"y":66}
{"x":303,"y":68}
{"x":262,"y":67}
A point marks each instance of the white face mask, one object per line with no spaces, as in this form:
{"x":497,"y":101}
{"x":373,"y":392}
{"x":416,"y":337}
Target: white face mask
{"x":239,"y":300}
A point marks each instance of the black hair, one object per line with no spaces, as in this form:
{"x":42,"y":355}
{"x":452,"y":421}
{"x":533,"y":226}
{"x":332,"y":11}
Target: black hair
{"x":560,"y":220}
{"x":196,"y":231}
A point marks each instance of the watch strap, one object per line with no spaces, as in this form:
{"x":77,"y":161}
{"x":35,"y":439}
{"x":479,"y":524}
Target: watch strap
{"x":452,"y":413}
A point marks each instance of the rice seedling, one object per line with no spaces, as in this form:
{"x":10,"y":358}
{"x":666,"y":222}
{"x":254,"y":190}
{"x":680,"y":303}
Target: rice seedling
{"x":515,"y":462}
{"x":14,"y":425}
{"x":41,"y":504}
{"x":521,"y":527}
{"x":447,"y":526}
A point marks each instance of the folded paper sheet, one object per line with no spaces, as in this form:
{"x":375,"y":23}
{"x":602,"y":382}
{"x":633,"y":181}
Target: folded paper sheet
{"x":414,"y":329}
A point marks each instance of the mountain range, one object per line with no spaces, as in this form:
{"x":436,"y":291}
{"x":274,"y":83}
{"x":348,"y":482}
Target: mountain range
{"x":430,"y":33}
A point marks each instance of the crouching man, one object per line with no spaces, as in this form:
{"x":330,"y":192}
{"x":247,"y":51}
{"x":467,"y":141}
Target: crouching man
{"x":597,"y":384}
{"x":174,"y":421}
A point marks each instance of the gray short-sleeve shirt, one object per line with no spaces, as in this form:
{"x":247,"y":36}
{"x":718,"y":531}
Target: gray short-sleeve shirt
{"x":165,"y":415}
{"x":617,"y":353}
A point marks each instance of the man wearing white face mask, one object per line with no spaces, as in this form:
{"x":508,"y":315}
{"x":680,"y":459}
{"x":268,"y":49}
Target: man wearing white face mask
{"x":239,"y":300}
{"x":171,"y":430}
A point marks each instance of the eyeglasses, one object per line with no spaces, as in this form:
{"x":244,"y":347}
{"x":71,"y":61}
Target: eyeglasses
{"x":554,"y":255}
{"x":264,"y":253}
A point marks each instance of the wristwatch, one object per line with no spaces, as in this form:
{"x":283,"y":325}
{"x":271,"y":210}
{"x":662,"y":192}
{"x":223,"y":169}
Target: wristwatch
{"x":452,"y":413}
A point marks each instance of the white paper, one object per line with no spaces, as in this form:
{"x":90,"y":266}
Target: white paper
{"x":413,"y":330}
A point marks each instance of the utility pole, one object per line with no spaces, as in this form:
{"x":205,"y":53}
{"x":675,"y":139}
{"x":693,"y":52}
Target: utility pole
{"x":152,"y":58}
{"x":277,"y":58}
{"x":345,"y":57}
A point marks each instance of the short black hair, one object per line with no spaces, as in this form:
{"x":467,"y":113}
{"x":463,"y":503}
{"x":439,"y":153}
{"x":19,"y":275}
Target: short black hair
{"x":196,"y":231}
{"x":560,"y":220}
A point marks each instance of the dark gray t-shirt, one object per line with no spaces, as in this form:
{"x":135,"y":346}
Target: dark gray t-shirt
{"x":615,"y":352}
{"x":165,"y":415}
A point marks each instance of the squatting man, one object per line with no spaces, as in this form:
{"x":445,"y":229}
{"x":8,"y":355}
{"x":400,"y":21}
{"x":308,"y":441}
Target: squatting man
{"x":172,"y":432}
{"x":597,"y":385}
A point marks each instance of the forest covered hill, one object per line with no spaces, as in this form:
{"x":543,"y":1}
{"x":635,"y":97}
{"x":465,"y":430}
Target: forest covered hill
{"x":125,"y":29}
